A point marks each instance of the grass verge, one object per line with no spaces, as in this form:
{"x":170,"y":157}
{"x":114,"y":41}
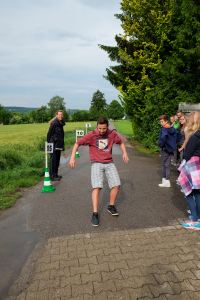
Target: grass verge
{"x":22,"y":160}
{"x":125,"y":127}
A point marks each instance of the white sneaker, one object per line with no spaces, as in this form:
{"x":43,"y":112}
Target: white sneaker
{"x":165,"y":184}
{"x":163,"y":180}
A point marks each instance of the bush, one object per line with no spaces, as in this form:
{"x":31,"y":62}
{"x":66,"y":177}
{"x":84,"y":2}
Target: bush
{"x":148,"y":134}
{"x":9,"y":159}
{"x":37,"y":161}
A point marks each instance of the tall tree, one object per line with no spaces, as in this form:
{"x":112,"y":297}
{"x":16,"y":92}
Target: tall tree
{"x":5,"y":115}
{"x":40,"y":114}
{"x":56,"y":103}
{"x":140,"y":50}
{"x":98,"y":106}
{"x":115,"y":110}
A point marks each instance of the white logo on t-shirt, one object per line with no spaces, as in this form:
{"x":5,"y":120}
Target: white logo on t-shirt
{"x":102,"y":144}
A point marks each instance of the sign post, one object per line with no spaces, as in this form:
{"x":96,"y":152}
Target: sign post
{"x":47,"y":180}
{"x":87,"y":125}
{"x":79,"y":133}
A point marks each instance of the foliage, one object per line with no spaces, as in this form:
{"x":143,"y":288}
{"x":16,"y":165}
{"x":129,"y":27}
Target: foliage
{"x":4,"y":115}
{"x":18,"y":118}
{"x":41,"y":114}
{"x":115,"y":110}
{"x":158,"y":59}
{"x":65,"y":115}
{"x":32,"y":116}
{"x":98,"y":106}
{"x":56,"y":103}
{"x":80,"y":116}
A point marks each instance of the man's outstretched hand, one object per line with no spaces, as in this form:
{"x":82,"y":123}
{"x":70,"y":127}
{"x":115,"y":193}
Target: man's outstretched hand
{"x":125,"y":158}
{"x":72,"y":163}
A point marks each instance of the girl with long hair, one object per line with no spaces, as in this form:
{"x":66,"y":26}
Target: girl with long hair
{"x":182,"y":124}
{"x":189,"y":178}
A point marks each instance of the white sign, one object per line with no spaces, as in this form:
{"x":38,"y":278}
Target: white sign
{"x":88,"y":125}
{"x":49,"y":148}
{"x":79,"y":132}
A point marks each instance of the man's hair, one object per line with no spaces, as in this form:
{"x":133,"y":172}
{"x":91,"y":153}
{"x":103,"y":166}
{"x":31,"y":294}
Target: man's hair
{"x":102,"y":120}
{"x":179,"y":111}
{"x":163,"y":117}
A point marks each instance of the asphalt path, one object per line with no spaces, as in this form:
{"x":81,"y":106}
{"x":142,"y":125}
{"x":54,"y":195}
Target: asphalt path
{"x":141,"y":203}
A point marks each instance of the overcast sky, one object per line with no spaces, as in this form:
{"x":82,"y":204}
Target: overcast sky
{"x":49,"y":47}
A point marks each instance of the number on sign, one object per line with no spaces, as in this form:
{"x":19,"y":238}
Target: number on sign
{"x":79,"y":132}
{"x":49,"y":147}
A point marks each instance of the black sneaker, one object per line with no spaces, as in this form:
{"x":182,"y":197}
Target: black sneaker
{"x":95,"y":219}
{"x":59,"y":176}
{"x":112,"y":210}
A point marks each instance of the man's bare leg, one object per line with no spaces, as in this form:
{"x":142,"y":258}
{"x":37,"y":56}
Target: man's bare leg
{"x":95,"y":199}
{"x":113,"y":194}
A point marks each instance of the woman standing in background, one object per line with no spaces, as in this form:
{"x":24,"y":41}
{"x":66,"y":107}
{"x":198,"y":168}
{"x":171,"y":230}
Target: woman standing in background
{"x":56,"y":136}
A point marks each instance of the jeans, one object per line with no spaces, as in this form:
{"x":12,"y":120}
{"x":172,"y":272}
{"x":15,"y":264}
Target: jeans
{"x":193,"y":201}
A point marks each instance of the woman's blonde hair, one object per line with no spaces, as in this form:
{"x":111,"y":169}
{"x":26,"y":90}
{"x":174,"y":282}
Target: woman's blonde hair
{"x":194,"y":123}
{"x":55,"y":116}
{"x":182,"y":126}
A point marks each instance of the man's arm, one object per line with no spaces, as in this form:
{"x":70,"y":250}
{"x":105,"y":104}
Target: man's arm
{"x":72,"y":162}
{"x":125,"y":155}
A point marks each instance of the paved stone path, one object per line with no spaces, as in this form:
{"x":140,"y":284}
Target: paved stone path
{"x":155,"y":263}
{"x":116,"y":260}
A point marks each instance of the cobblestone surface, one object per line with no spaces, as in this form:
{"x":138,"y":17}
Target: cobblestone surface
{"x":160,"y":263}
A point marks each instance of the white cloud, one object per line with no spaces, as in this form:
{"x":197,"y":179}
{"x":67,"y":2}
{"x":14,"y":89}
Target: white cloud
{"x":50,"y":47}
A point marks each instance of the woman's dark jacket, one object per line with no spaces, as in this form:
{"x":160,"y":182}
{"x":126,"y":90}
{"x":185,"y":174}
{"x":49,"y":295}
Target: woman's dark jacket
{"x":56,"y":134}
{"x":193,"y":146}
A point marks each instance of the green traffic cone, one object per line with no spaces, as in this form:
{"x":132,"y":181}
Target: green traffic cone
{"x":77,"y":154}
{"x":48,"y":188}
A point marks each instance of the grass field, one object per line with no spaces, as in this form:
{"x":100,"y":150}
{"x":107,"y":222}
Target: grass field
{"x":22,"y":156}
{"x":124,"y":127}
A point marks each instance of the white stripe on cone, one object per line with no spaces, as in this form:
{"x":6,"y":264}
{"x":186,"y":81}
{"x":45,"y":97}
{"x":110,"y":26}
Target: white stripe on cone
{"x":47,"y":183}
{"x":46,"y":174}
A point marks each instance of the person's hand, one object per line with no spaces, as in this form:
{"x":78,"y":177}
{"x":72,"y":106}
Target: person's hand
{"x":125,"y":158}
{"x":180,"y":149}
{"x":72,"y":163}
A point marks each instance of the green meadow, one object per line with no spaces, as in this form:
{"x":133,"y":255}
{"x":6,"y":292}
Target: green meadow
{"x":124,"y":127}
{"x":22,"y":158}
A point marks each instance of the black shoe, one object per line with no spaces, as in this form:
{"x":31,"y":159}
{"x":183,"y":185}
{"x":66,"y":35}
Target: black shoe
{"x":59,"y":176}
{"x":95,"y":219}
{"x":56,"y":178}
{"x":112,"y":210}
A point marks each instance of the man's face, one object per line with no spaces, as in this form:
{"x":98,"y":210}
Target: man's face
{"x":59,"y":116}
{"x":102,"y":128}
{"x":179,"y":114}
{"x":163,"y":123}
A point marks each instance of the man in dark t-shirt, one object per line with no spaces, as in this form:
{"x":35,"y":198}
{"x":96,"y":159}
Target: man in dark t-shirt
{"x":100,"y":143}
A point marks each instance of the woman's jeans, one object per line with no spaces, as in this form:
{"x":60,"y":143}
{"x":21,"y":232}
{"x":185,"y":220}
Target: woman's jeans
{"x":193,"y":201}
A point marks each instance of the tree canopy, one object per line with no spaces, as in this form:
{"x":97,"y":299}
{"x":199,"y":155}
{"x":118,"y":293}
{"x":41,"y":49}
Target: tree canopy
{"x":157,"y":57}
{"x":56,"y":103}
{"x":115,"y":110}
{"x":98,"y":106}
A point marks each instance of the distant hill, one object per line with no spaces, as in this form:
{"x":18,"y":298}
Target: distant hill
{"x":25,"y":110}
